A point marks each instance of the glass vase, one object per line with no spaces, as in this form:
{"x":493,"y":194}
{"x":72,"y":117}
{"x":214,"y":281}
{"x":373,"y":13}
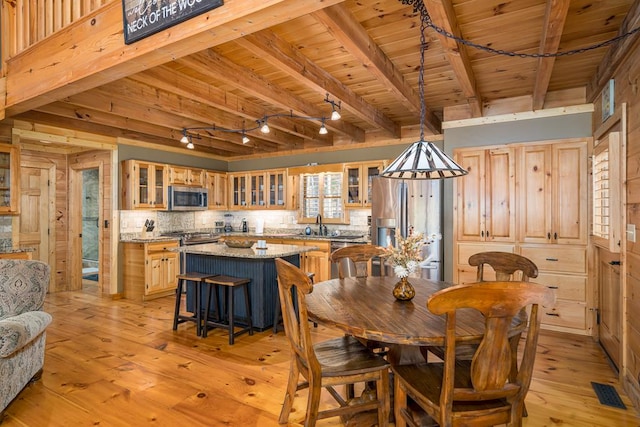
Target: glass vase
{"x":403,"y":290}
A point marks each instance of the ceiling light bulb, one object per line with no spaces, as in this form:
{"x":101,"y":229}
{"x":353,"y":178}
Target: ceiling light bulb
{"x":184,"y":139}
{"x":265,"y":128}
{"x":323,"y":129}
{"x":335,"y":115}
{"x":245,"y":139}
{"x":190,"y":145}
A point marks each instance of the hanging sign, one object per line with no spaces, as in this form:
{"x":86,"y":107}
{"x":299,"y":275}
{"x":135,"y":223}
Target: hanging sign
{"x":145,"y":17}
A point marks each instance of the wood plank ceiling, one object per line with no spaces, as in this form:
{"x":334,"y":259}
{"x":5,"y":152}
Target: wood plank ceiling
{"x":363,"y":54}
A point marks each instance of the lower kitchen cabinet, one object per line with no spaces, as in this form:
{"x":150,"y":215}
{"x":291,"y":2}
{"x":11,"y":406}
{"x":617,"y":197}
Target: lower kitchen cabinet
{"x":316,"y":261}
{"x":150,"y":269}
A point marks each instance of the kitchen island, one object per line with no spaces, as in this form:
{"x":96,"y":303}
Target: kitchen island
{"x":252,"y":263}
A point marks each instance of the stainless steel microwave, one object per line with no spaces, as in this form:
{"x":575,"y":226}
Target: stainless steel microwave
{"x":188,"y":198}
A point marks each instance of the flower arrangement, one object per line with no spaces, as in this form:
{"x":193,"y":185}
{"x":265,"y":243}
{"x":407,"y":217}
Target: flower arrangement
{"x":406,"y":257}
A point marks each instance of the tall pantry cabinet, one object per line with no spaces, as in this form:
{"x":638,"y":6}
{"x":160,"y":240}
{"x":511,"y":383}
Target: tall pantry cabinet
{"x":545,"y":219}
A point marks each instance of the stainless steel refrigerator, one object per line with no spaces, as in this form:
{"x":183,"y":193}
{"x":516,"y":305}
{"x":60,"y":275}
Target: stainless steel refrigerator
{"x":409,"y":206}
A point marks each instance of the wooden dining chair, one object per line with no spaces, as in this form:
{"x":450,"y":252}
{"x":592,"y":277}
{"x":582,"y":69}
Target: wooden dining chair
{"x":361,"y":256}
{"x":340,"y":361}
{"x":505,"y":265}
{"x":479,"y":392}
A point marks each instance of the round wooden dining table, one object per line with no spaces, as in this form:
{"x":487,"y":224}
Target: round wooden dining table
{"x":366,"y":308}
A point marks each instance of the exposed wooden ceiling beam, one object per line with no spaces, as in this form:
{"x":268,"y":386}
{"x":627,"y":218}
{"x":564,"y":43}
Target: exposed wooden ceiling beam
{"x":341,"y":23}
{"x":195,"y":113}
{"x":554,"y":19}
{"x":91,"y":51}
{"x":96,"y":128}
{"x":165,"y":78}
{"x":222,"y":69}
{"x":71,"y":111}
{"x":282,"y":55}
{"x":615,"y":54}
{"x":443,"y":16}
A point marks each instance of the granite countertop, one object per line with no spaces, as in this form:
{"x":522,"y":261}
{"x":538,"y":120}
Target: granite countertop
{"x":222,"y":250}
{"x":137,"y":238}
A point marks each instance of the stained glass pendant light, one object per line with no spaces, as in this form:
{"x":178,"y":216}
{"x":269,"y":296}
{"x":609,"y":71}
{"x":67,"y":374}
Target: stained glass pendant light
{"x":423,"y":159}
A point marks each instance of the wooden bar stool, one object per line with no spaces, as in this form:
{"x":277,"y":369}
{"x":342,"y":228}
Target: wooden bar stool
{"x":277,"y":318}
{"x":230,"y":284}
{"x":197,"y":279}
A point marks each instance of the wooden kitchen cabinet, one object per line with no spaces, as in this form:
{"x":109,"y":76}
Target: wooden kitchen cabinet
{"x":186,"y":176}
{"x":485,"y":197}
{"x":357,"y":182}
{"x":563,"y":269}
{"x":144,"y":185}
{"x":316,"y":261}
{"x":217,"y":184}
{"x":553,"y":185}
{"x":150,"y":269}
{"x":239,"y":189}
{"x":9,"y":179}
{"x":277,"y":189}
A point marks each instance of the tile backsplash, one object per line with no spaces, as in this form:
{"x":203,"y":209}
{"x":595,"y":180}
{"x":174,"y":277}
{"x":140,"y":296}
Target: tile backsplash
{"x":274,"y":220}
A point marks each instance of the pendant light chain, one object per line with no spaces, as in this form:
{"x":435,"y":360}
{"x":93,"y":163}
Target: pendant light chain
{"x":418,"y":6}
{"x":423,"y":107}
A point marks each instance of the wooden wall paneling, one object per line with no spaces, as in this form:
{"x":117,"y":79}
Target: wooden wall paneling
{"x":626,"y":78}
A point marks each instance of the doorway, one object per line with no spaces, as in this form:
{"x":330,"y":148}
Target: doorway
{"x":90,"y":229}
{"x":87,"y":269}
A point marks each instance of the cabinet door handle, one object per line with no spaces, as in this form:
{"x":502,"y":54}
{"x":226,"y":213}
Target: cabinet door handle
{"x":551,"y":259}
{"x":614,"y":262}
{"x":555,"y":236}
{"x":552,"y":287}
{"x":553,"y":314}
{"x":487,"y":233}
{"x":548,"y":236}
{"x":482,"y":233}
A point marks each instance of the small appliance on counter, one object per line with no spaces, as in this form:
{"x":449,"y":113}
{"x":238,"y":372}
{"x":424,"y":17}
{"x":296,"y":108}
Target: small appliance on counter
{"x":260,"y":226}
{"x":245,"y":227}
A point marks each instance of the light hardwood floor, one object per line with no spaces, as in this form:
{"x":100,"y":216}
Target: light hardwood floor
{"x":118,"y":363}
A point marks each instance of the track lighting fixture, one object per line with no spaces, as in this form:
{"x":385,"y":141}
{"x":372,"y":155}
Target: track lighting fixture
{"x":335,"y":106}
{"x":265,"y":127}
{"x":262,"y":125}
{"x":323,"y":129}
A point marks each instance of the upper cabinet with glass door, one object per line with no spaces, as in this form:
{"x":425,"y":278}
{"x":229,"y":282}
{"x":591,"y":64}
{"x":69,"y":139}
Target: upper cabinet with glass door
{"x":9,"y":179}
{"x":144,"y":185}
{"x":357,"y":178}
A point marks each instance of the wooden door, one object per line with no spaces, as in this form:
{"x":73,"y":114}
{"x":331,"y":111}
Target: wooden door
{"x":610,"y":304}
{"x":37,"y":207}
{"x":570,"y":193}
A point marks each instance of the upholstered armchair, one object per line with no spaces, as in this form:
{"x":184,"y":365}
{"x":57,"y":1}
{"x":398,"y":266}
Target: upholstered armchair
{"x":23,"y":286}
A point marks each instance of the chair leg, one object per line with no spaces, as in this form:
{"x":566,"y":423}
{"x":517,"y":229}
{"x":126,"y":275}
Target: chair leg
{"x":383,"y":399}
{"x":290,"y":394}
{"x":399,"y":402}
{"x":313,"y":403}
{"x":176,"y":312}
{"x":198,"y":304}
{"x":229,"y":295}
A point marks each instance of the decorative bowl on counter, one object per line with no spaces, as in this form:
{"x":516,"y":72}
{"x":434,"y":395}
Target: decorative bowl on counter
{"x":239,"y":243}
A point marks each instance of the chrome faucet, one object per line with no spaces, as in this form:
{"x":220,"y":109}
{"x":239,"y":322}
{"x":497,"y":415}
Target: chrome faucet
{"x":319,"y":222}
